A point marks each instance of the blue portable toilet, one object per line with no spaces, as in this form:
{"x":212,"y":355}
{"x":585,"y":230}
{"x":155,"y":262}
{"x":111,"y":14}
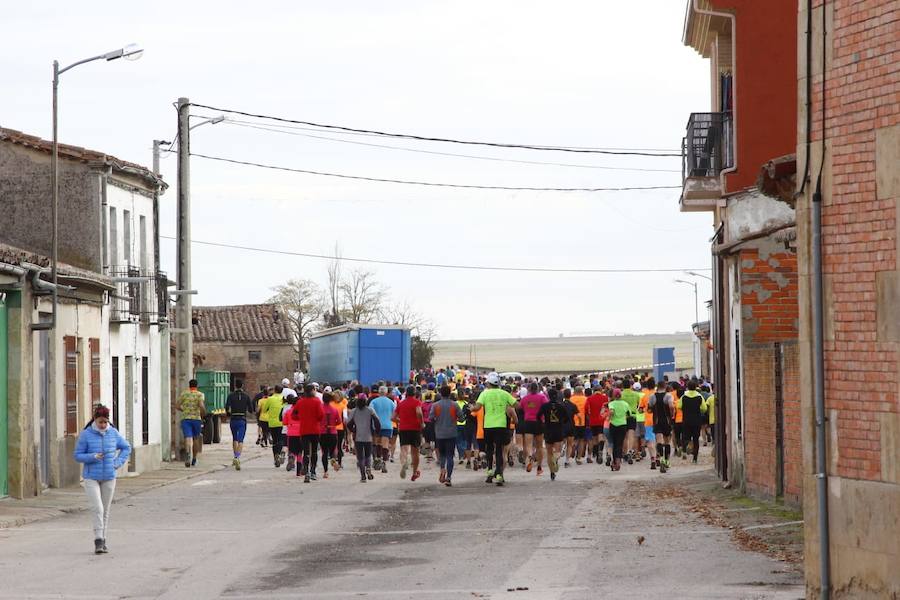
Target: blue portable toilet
{"x":364,"y":352}
{"x":663,"y":362}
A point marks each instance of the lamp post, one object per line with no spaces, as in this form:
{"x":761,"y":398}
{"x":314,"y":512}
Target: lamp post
{"x":129,"y":52}
{"x":696,"y":320}
{"x":694,"y":274}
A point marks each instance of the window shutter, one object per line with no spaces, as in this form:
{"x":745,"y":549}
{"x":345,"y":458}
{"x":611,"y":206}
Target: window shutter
{"x":71,"y":384}
{"x":95,"y":372}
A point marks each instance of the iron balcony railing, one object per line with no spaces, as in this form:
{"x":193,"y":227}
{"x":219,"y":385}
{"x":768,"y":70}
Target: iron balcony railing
{"x":708,"y":147}
{"x":142,"y":301}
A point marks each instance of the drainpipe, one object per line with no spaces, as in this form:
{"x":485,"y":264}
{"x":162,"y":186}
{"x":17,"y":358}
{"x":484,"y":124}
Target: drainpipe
{"x":734,"y":91}
{"x":104,"y":234}
{"x":818,"y":314}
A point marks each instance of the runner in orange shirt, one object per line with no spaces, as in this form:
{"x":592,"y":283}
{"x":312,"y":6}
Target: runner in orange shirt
{"x":578,"y":399}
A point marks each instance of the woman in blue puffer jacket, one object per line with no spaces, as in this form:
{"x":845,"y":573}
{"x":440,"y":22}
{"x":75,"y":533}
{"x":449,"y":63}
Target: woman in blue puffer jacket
{"x":102,"y":450}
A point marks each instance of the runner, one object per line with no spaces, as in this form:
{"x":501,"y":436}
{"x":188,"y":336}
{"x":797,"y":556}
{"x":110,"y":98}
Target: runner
{"x":237,"y":406}
{"x":578,"y":399}
{"x":192,"y":405}
{"x":595,"y":415}
{"x":328,"y":439}
{"x":619,"y":410}
{"x":710,"y":415}
{"x":677,"y":427}
{"x":409,"y":417}
{"x":569,"y":429}
{"x":262,"y":428}
{"x":270,"y":411}
{"x":499,"y":407}
{"x":444,"y":413}
{"x":384,"y":409}
{"x":693,"y":407}
{"x":648,"y":387}
{"x":309,"y":410}
{"x":340,"y":404}
{"x":554,"y":416}
{"x":662,"y":404}
{"x":632,"y":396}
{"x":531,"y":426}
{"x":363,"y":422}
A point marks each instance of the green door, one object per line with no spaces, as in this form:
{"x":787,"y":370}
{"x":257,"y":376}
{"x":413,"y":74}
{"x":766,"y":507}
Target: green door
{"x":4,"y":365}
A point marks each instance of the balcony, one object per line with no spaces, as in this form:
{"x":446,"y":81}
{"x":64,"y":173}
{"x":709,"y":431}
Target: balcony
{"x":142,"y":300}
{"x":706,"y":150}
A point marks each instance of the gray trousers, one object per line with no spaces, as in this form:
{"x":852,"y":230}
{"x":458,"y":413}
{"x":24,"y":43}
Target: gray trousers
{"x":100,"y":495}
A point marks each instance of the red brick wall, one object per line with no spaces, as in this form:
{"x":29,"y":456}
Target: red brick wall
{"x":859,"y":230}
{"x":769,"y":300}
{"x":769,"y":290}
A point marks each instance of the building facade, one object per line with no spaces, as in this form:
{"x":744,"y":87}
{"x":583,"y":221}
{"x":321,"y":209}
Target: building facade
{"x":739,"y":167}
{"x":856,"y":182}
{"x":251,"y":341}
{"x":105,"y":346}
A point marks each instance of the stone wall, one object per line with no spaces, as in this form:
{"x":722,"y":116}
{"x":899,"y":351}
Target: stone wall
{"x":276,"y":361}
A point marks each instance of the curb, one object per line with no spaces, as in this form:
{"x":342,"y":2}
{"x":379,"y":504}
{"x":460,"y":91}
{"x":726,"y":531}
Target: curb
{"x":53,"y":513}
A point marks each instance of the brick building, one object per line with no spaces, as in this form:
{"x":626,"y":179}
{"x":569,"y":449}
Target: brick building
{"x":859,"y":129}
{"x":252,"y":341}
{"x":739,"y":167}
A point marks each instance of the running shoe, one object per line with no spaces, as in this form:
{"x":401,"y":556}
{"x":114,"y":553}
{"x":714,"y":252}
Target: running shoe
{"x":490,"y":473}
{"x":306,"y":479}
{"x":335,"y":465}
{"x":566,"y":464}
{"x":468,"y":464}
{"x":461,"y":461}
{"x":694,"y":460}
{"x":362,"y":478}
{"x":652,"y":465}
{"x":589,"y":460}
{"x":608,"y":460}
{"x":325,"y":475}
{"x":290,"y":463}
{"x":187,"y":462}
{"x":498,"y":479}
{"x":552,"y":476}
{"x":529,"y":466}
{"x":447,"y":482}
{"x":489,"y":479}
{"x":194,"y":462}
{"x":236,"y":463}
{"x":442,"y":477}
{"x":578,"y":461}
{"x":540,"y":471}
{"x":630,"y":460}
{"x":403,"y":468}
{"x":369,"y":474}
{"x":509,"y":460}
{"x":415,"y":475}
{"x":383,"y":468}
{"x":312,"y":476}
{"x":663,"y":466}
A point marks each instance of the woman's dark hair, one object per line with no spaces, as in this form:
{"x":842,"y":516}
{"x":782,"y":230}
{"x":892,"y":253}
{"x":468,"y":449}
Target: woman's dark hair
{"x":553,"y":394}
{"x":533,"y":388}
{"x":327,"y":397}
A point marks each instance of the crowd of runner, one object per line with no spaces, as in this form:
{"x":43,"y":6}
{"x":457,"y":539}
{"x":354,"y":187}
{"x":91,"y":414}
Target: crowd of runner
{"x":456,"y":418}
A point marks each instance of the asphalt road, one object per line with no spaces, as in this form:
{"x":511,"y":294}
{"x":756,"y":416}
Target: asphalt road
{"x":262,"y":533}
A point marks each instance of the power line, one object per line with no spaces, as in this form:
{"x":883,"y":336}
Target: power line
{"x":431,"y":183}
{"x":359,"y":134}
{"x":276,"y":129}
{"x":433,"y":265}
{"x":437,"y":139}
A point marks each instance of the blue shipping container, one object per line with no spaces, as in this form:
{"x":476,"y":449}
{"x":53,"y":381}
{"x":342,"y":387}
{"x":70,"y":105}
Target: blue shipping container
{"x":366,"y":353}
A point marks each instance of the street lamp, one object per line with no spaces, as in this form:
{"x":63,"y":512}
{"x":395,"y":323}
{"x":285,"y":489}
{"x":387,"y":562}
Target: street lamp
{"x":129,"y":52}
{"x":698,"y":275}
{"x":696,"y":320}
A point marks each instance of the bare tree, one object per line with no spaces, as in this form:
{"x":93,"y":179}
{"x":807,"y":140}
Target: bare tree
{"x":333,"y":313}
{"x":362,"y":296}
{"x":303,"y":303}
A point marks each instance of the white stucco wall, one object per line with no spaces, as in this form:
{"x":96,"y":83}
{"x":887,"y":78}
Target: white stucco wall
{"x":751,"y":212}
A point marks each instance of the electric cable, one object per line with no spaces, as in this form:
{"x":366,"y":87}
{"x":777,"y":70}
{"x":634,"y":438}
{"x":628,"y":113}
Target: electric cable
{"x":436,"y":139}
{"x":432,"y":183}
{"x":431,"y":265}
{"x":275,"y":129}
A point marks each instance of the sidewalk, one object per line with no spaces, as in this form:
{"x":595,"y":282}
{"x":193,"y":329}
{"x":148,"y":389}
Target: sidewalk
{"x":55,"y":502}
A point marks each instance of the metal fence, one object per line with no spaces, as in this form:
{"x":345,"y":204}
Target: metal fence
{"x":140,"y":300}
{"x":708,"y":147}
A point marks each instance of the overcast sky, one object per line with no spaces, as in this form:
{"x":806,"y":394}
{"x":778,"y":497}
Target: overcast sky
{"x":566,"y":73}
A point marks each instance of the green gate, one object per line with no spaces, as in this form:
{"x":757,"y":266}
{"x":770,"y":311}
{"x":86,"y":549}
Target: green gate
{"x":4,"y":365}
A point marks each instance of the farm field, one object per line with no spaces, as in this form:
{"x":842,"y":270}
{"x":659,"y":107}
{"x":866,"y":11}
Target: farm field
{"x":563,"y":355}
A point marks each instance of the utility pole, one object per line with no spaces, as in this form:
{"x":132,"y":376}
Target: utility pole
{"x":184,"y":347}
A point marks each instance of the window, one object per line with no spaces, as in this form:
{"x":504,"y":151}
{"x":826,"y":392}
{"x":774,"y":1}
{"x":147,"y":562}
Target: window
{"x":115,"y":390}
{"x":145,"y":400}
{"x":94,"y":344}
{"x":142,"y":233}
{"x":126,"y":233}
{"x":254,"y":355}
{"x":113,"y":237}
{"x":70,"y":348}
